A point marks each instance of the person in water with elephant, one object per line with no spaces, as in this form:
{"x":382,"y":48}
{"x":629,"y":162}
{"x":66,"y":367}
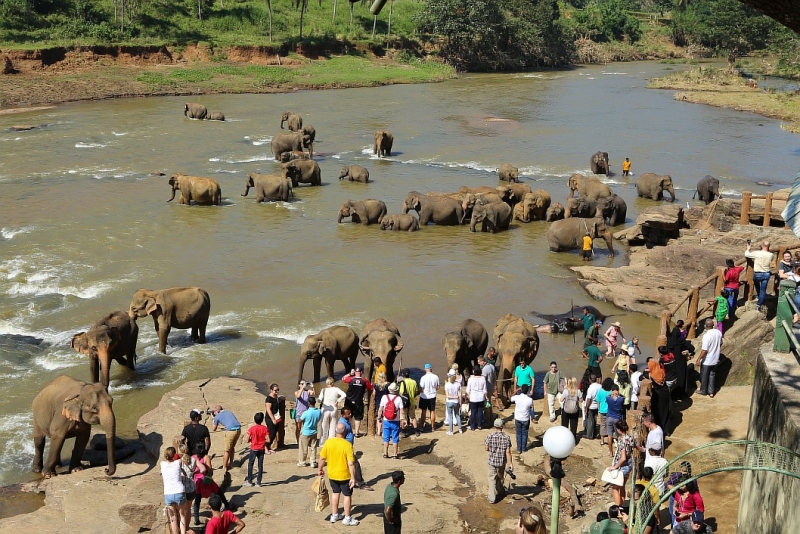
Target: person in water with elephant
{"x":586,"y":249}
{"x":626,"y":167}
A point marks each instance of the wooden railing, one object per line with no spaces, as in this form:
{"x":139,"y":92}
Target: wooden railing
{"x":747,"y":198}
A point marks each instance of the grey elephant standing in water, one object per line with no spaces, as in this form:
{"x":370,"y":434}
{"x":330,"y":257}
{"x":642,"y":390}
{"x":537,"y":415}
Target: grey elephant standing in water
{"x":302,"y":172}
{"x":439,"y":210}
{"x":203,"y":191}
{"x":354,"y":173}
{"x":283,"y":143}
{"x":332,"y":344}
{"x":194,"y":111}
{"x":366,"y":212}
{"x":383,"y":143}
{"x":492,"y":217}
{"x":555,"y":212}
{"x":650,"y":185}
{"x":599,"y":163}
{"x":708,"y":189}
{"x":177,"y":307}
{"x":294,"y":121}
{"x":508,"y":173}
{"x":112,"y":337}
{"x":567,"y":234}
{"x":400,"y":222}
{"x":268,"y":186}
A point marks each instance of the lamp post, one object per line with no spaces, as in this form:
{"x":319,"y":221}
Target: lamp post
{"x":558,"y":442}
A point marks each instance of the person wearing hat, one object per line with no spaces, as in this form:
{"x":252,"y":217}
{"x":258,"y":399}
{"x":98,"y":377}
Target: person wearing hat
{"x":392,"y":506}
{"x":586,"y":249}
{"x":498,"y":445}
{"x":196,"y":432}
{"x":696,"y":526}
{"x":394,"y":419}
{"x":614,"y":331}
{"x":233,"y":429}
{"x":429,"y":384}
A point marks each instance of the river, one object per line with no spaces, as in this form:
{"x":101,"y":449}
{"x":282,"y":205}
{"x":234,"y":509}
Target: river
{"x":84,"y":224}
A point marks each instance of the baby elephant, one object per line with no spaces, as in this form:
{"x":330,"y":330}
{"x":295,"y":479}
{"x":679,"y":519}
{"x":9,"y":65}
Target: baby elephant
{"x":293,"y":155}
{"x":508,"y":173}
{"x":400,"y":222}
{"x":215,"y":116}
{"x":355,"y":173}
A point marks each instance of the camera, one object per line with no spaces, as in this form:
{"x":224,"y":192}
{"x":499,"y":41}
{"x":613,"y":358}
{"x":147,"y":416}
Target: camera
{"x":209,"y":411}
{"x":511,"y":473}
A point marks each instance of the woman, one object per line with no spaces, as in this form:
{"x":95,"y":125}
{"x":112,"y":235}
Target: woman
{"x":381,"y":387}
{"x":301,"y":405}
{"x":204,"y":481}
{"x":174,"y":496}
{"x":476,"y":391}
{"x":660,"y":399}
{"x":678,"y":346}
{"x":572,"y":394}
{"x":613,"y":332}
{"x":623,"y":361}
{"x":731,"y":276}
{"x":687,"y":500}
{"x":272,"y":415}
{"x":794,"y":276}
{"x":623,"y":381}
{"x":189,"y":487}
{"x":452,"y":390}
{"x":622,"y":459}
{"x":674,"y":480}
{"x":459,"y":377}
{"x":329,"y":397}
{"x":531,"y":521}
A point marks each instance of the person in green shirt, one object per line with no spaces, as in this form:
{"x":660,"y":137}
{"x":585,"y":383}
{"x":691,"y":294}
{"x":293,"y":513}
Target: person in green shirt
{"x":592,"y":336}
{"x":523,"y":376}
{"x":392,"y":506}
{"x":551,"y":380}
{"x":588,"y":321}
{"x":408,"y":388}
{"x":595,"y":357}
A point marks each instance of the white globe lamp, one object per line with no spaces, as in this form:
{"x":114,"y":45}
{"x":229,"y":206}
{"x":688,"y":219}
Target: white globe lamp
{"x":559,"y":443}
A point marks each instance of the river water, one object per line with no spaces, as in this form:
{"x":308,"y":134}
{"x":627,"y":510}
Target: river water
{"x":84,"y":224}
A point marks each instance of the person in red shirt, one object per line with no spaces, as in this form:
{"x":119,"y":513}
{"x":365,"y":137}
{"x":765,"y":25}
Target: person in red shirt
{"x":220,"y":522}
{"x":731,"y":275}
{"x":257,"y":438}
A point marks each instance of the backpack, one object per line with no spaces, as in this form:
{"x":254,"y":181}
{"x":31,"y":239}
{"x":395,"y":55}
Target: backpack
{"x":390,"y":410}
{"x":570,"y":403}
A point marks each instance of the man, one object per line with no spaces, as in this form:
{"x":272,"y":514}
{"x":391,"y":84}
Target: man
{"x":522,"y":418}
{"x":347,"y":416}
{"x":652,"y":524}
{"x":491,"y":356}
{"x":655,"y":436}
{"x":636,"y":385}
{"x":257,"y":438}
{"x":586,"y":249}
{"x":709,"y":358}
{"x":392,"y":506}
{"x":592,"y":335}
{"x":307,"y":447}
{"x":591,"y":406}
{"x":233,"y":429}
{"x":408,"y":388}
{"x":196,"y":432}
{"x":337,"y":454}
{"x":695,"y":526}
{"x":357,"y":386}
{"x":761,"y":269}
{"x":595,"y":357}
{"x":588,"y":321}
{"x":429,"y":384}
{"x":489,"y":373}
{"x":551,"y":381}
{"x":616,"y":408}
{"x":523,"y":377}
{"x":498,"y":445}
{"x":220,"y":522}
{"x":393,"y":418}
{"x":655,"y":461}
{"x":626,"y":167}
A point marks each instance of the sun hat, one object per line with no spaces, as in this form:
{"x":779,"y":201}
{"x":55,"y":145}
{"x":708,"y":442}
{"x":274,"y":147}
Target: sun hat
{"x":498,"y":423}
{"x":451,"y":372}
{"x":393,"y":387}
{"x":616,"y":324}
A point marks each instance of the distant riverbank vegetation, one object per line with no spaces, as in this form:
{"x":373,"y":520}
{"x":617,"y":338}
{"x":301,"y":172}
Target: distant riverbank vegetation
{"x":471,"y":35}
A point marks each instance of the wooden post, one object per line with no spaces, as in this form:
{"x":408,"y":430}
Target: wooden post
{"x":663,"y":330}
{"x":767,"y":210}
{"x":691,"y":315}
{"x":371,"y":413}
{"x":744,"y":217}
{"x":749,"y":294}
{"x":720,"y":280}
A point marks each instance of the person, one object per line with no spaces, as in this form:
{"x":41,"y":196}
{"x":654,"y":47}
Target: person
{"x":687,"y":500}
{"x":329,"y":398}
{"x":491,"y":356}
{"x":588,"y":320}
{"x":682,"y":349}
{"x":272,"y":415}
{"x":655,"y":435}
{"x":794,"y":276}
{"x":570,"y":399}
{"x":204,"y":481}
{"x":429,"y":384}
{"x":656,"y":463}
{"x":652,"y":523}
{"x":615,"y":403}
{"x":622,"y":362}
{"x":697,"y":525}
{"x":189,"y":486}
{"x":452,"y":403}
{"x":674,"y":480}
{"x":612,"y":334}
{"x":347,"y":417}
{"x":602,"y":410}
{"x":636,"y":385}
{"x":524,"y":377}
{"x":337,"y":454}
{"x":490,"y":374}
{"x":307,"y":447}
{"x":459,"y":377}
{"x":380,"y":367}
{"x":301,"y":404}
{"x":761,"y":269}
{"x":591,"y":406}
{"x":660,"y":400}
{"x":174,"y":496}
{"x":622,"y":458}
{"x":623,"y":382}
{"x":531,"y":521}
{"x":392,"y":505}
{"x":626,"y":167}
{"x":586,"y":247}
{"x":522,"y":418}
{"x":498,"y":445}
{"x":392,"y":422}
{"x":785,"y":265}
{"x":592,"y":335}
{"x":408,"y":389}
{"x":257,"y":438}
{"x":645,"y":476}
{"x":196,"y":432}
{"x":233,"y":429}
{"x":357,"y":387}
{"x":595,"y":357}
{"x":381,"y":388}
{"x":220,"y":522}
{"x":553,"y":386}
{"x":476,"y":392}
{"x":721,"y":308}
{"x":732,"y":283}
{"x":709,"y":358}
{"x":667,"y":361}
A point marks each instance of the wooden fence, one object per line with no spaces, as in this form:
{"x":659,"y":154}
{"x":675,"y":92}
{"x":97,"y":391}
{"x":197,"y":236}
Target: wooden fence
{"x":747,"y":211}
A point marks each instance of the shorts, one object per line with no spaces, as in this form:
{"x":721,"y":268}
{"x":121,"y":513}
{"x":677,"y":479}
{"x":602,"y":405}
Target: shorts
{"x":391,"y":431}
{"x":427,"y":404}
{"x":175,"y":498}
{"x":231,"y":437}
{"x":611,"y":429}
{"x":603,"y":426}
{"x":357,"y":409}
{"x":341,"y":486}
{"x":587,"y":253}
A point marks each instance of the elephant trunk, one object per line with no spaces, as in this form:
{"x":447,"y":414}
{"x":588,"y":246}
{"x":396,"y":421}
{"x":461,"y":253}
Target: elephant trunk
{"x":609,"y":242}
{"x":671,"y":191}
{"x":311,"y":150}
{"x":246,"y":188}
{"x":282,"y":121}
{"x":303,"y":359}
{"x":339,"y":220}
{"x":173,"y":194}
{"x":109,"y":423}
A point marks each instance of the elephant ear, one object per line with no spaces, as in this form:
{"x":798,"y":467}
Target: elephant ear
{"x":153,"y":307}
{"x":72,"y":408}
{"x":78,"y":342}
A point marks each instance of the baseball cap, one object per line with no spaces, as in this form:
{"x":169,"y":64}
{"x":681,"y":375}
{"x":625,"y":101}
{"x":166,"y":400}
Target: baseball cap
{"x":598,"y":322}
{"x":697,"y":516}
{"x":358,"y":370}
{"x":428,"y":366}
{"x":498,"y":423}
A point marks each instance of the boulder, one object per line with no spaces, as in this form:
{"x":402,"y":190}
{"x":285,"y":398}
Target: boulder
{"x":98,"y":443}
{"x":666,"y":217}
{"x":140,"y":516}
{"x":6,"y":65}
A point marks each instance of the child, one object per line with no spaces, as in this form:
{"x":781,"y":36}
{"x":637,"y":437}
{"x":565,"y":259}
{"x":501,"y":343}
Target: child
{"x":220,"y":522}
{"x":721,"y":311}
{"x":257,"y":438}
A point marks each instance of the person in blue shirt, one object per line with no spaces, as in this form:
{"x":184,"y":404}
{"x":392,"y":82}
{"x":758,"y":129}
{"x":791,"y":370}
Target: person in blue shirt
{"x":347,"y":415}
{"x":308,"y":434}
{"x":233,"y":429}
{"x":523,"y":375}
{"x":616,"y":407}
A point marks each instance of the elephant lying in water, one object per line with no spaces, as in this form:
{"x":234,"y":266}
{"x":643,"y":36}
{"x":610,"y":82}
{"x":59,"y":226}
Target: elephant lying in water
{"x":366,"y":212}
{"x":567,"y":234}
{"x":293,"y":155}
{"x":576,"y":312}
{"x":177,"y":307}
{"x":400,"y":222}
{"x":268,"y":186}
{"x":203,"y":191}
{"x":215,"y":116}
{"x":113,"y":337}
{"x":332,"y":344}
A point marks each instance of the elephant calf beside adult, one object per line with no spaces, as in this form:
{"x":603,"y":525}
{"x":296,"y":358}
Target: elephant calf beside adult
{"x":204,"y":191}
{"x":438,"y":210}
{"x":268,"y":186}
{"x":177,"y":307}
{"x":337,"y":343}
{"x":380,"y":339}
{"x":651,"y":185}
{"x":112,"y":337}
{"x":366,"y":212}
{"x":708,"y":189}
{"x":294,"y":122}
{"x":400,"y":222}
{"x":568,"y":234}
{"x":354,"y":173}
{"x":492,"y":217}
{"x":464,"y":344}
{"x":555,"y":212}
{"x":302,"y":171}
{"x":533,"y":206}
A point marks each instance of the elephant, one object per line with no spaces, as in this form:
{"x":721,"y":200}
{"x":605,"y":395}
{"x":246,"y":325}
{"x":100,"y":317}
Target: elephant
{"x":580,"y":207}
{"x":294,"y":121}
{"x":268,"y":186}
{"x":599,"y":163}
{"x":366,"y":212}
{"x":508,"y":173}
{"x":464,"y":344}
{"x":494,"y":217}
{"x":302,"y":172}
{"x":515,"y":339}
{"x":177,"y":307}
{"x":67,"y":408}
{"x":331,"y":344}
{"x":112,"y":337}
{"x":400,"y":222}
{"x":533,"y":206}
{"x":650,"y":185}
{"x":194,"y":111}
{"x":439,"y":210}
{"x":568,"y":234}
{"x":293,"y":155}
{"x":309,"y":135}
{"x":380,"y":339}
{"x":478,"y":190}
{"x":518,"y":192}
{"x":575,"y":313}
{"x":215,"y":116}
{"x":383,"y":143}
{"x":555,"y":212}
{"x":471,"y":199}
{"x":708,"y":189}
{"x":286,"y":143}
{"x":588,"y":186}
{"x":204,"y":191}
{"x":355,"y":173}
{"x":613,"y":208}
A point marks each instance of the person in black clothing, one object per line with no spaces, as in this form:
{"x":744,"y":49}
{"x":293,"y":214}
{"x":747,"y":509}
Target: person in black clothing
{"x":682,"y":349}
{"x":667,"y":359}
{"x":357,"y":386}
{"x":272,"y":415}
{"x":196,"y":432}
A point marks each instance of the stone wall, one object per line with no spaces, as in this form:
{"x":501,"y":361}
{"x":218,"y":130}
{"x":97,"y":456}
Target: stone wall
{"x":769,"y":501}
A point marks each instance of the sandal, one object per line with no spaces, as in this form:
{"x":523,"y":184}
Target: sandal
{"x":385,"y":455}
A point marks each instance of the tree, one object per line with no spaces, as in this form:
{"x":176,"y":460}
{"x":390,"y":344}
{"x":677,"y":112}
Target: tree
{"x":618,"y":23}
{"x":736,"y":29}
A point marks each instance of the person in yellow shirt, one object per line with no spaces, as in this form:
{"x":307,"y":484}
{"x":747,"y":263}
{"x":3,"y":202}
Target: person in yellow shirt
{"x":337,"y":454}
{"x":587,"y":247}
{"x":626,"y":167}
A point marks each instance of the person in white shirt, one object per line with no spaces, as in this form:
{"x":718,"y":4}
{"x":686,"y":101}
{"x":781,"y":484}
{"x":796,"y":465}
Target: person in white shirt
{"x":636,"y":385}
{"x":329,"y":398}
{"x":452,"y":404}
{"x":709,"y":358}
{"x":522,"y":418}
{"x":655,"y":435}
{"x":656,"y":462}
{"x":590,"y":424}
{"x":476,"y":391}
{"x":429,"y":384}
{"x":762,"y":260}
